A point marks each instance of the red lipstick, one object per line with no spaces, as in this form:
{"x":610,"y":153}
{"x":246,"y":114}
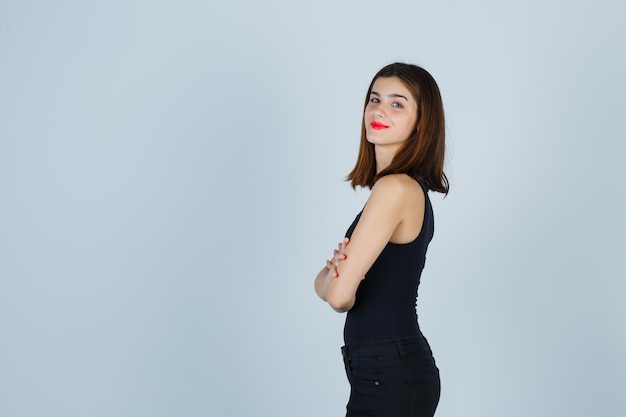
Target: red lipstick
{"x":378,"y":125}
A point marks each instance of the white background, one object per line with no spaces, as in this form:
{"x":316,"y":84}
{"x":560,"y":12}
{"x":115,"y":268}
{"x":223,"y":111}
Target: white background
{"x":171,"y":181}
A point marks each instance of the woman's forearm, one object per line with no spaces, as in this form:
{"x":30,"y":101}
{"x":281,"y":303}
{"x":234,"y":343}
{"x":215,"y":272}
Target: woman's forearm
{"x":321,"y":286}
{"x":321,"y":283}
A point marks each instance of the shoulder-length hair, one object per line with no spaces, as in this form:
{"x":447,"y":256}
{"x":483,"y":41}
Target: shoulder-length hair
{"x":422,"y":155}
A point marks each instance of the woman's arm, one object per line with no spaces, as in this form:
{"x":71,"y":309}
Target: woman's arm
{"x":381,"y":216}
{"x":321,"y":283}
{"x":330,"y":270}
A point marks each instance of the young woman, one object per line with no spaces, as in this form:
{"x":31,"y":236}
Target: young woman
{"x":375,"y":272}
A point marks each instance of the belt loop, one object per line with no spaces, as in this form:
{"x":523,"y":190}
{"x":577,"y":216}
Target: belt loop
{"x":401,"y":349}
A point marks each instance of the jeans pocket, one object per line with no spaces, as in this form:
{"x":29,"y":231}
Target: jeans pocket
{"x":365,"y":376}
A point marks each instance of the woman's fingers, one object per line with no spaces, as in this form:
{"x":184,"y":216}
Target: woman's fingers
{"x":331,"y":268}
{"x":343,"y":244}
{"x":337,"y":256}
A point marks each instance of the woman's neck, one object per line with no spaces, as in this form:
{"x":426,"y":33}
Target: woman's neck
{"x":384,"y":156}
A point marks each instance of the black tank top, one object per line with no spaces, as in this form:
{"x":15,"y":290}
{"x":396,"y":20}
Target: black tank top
{"x":386,"y":298}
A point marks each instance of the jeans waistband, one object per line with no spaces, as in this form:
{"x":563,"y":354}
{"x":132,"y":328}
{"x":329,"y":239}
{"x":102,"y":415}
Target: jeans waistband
{"x":393,"y":348}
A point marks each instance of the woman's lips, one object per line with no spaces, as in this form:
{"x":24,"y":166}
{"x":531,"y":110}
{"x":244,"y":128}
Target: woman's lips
{"x":378,"y":126}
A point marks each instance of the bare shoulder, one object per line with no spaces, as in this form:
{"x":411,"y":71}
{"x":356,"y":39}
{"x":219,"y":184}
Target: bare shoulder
{"x":394,"y":182}
{"x":404,"y":199}
{"x":397,"y":186}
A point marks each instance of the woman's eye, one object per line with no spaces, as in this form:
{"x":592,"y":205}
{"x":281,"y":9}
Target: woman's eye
{"x":397,"y":105}
{"x":374,"y":100}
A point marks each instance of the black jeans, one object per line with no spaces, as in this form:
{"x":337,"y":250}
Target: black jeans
{"x":395,"y":378}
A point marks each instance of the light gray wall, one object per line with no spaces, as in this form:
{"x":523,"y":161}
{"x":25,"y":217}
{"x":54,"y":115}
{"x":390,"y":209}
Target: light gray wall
{"x":171,"y":181}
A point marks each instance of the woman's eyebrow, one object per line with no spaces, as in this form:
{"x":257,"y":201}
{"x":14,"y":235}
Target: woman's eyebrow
{"x":394,"y":95}
{"x":398,"y":96}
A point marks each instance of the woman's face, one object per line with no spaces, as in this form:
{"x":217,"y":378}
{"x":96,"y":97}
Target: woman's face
{"x":391,"y":114}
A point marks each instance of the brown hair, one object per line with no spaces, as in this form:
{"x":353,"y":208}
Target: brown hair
{"x":422,"y":155}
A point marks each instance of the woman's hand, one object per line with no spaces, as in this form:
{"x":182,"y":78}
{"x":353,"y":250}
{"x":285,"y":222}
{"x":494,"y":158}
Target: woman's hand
{"x":330,"y":270}
{"x":338,"y":256}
